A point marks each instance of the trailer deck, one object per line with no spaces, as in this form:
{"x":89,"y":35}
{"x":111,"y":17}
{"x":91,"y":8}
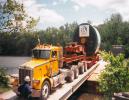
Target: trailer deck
{"x":66,"y":90}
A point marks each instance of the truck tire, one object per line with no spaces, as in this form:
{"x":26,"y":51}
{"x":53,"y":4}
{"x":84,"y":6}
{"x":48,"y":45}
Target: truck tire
{"x":45,"y":90}
{"x":76,"y":73}
{"x":85,"y":67}
{"x":82,"y":69}
{"x":70,"y":78}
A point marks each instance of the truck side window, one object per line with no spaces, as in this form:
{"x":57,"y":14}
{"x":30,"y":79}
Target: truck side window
{"x":54,"y":54}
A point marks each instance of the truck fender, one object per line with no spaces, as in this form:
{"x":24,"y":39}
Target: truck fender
{"x":46,"y":79}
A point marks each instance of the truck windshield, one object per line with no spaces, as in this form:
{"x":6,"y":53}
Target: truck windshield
{"x":45,"y":54}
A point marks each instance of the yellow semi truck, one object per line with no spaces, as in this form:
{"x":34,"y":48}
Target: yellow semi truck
{"x":50,"y":66}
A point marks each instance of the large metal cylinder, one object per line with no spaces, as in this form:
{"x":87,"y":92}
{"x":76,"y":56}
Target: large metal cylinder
{"x":91,"y":40}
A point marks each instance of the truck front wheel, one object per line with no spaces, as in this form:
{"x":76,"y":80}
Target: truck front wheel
{"x":45,"y":90}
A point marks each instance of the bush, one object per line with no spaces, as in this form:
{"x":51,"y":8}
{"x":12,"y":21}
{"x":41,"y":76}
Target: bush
{"x":3,"y":79}
{"x":115,"y":77}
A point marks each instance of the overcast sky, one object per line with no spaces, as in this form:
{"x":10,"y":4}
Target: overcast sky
{"x":58,"y":12}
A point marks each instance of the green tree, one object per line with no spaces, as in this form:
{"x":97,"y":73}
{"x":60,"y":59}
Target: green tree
{"x":114,"y":31}
{"x":3,"y":79}
{"x":115,"y":77}
{"x":13,"y":17}
{"x":111,"y":31}
{"x":16,"y":29}
{"x":63,"y":34}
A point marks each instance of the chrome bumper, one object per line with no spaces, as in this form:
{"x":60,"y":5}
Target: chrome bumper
{"x":35,"y":93}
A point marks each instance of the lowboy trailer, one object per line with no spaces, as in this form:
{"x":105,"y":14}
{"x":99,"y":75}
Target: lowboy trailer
{"x":52,"y":66}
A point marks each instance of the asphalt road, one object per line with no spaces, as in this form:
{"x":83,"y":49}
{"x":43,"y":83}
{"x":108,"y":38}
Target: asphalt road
{"x":11,"y":64}
{"x":10,"y":95}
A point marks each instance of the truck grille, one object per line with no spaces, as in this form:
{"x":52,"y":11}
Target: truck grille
{"x":23,"y":73}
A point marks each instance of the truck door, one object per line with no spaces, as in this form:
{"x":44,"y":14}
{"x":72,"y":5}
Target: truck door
{"x":54,"y":63}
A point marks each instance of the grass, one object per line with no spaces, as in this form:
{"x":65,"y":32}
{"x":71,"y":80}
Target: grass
{"x":4,"y":89}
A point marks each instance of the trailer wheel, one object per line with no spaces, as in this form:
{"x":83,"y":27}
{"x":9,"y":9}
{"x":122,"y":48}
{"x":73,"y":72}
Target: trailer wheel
{"x":70,"y":78}
{"x":76,"y":73}
{"x":45,"y":90}
{"x":85,"y":67}
{"x":81,"y":69}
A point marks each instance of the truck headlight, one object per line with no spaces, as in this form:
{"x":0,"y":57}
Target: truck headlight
{"x":36,"y":81}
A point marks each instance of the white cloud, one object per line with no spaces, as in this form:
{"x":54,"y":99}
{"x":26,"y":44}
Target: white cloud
{"x":47,"y":16}
{"x":121,"y":6}
{"x":64,"y":1}
{"x":2,"y":2}
{"x":76,"y":7}
{"x":96,"y":23}
{"x":99,"y":3}
{"x":93,"y":22}
{"x":54,"y":3}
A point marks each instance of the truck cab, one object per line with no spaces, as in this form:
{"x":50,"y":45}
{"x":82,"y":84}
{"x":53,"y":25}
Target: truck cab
{"x":48,"y":55}
{"x":42,"y":69}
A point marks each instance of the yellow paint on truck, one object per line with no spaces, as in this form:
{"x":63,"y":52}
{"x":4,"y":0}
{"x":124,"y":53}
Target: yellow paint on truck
{"x":44,"y":68}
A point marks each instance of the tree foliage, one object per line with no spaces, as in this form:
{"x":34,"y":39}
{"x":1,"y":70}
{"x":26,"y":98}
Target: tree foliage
{"x":22,"y":44}
{"x":115,"y":77}
{"x":3,"y":79}
{"x":115,"y":31}
{"x":16,"y":37}
{"x":62,"y":35}
{"x":13,"y":17}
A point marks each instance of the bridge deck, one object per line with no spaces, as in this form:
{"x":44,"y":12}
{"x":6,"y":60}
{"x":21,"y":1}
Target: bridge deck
{"x":66,"y":90}
{"x":95,"y":74}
